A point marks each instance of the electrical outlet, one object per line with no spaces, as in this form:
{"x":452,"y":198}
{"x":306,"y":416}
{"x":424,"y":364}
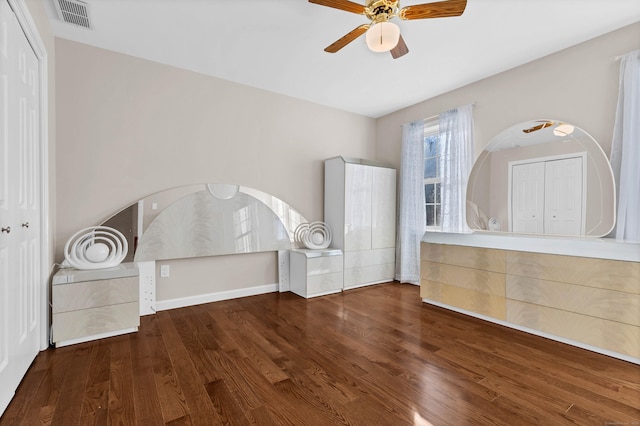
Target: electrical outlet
{"x":164,"y":271}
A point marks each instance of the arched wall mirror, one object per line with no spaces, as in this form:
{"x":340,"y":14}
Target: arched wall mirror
{"x":542,"y":177}
{"x":205,"y":220}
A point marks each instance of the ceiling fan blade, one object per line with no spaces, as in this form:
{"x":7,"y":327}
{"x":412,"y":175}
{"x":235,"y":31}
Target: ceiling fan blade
{"x":346,"y":39}
{"x":401,"y":49}
{"x":440,"y":9}
{"x":347,"y":5}
{"x":544,"y":124}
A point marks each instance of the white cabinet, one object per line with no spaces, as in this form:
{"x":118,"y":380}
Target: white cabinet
{"x":360,"y":208}
{"x":92,"y":304}
{"x":315,"y":272}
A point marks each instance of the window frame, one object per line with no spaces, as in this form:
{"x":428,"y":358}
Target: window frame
{"x":431,"y":129}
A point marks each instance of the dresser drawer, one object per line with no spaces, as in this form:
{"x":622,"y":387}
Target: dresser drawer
{"x":470,"y":257}
{"x":607,"y":274}
{"x":323,"y":284}
{"x":324,"y":265}
{"x":590,"y":301}
{"x":598,"y":332}
{"x":91,"y":294}
{"x":88,"y":322}
{"x":365,"y":275}
{"x":358,"y":259}
{"x":473,"y":279}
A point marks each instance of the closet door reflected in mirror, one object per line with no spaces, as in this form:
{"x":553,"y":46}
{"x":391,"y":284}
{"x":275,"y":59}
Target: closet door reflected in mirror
{"x":547,"y":196}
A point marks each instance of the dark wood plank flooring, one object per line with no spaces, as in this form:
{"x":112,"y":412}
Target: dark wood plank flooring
{"x":370,"y":356}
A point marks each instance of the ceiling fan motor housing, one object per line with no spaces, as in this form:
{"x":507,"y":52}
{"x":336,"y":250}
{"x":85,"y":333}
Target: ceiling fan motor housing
{"x":381,"y":10}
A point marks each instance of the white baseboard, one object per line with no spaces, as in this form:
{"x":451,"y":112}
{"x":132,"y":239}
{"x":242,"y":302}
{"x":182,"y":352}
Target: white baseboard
{"x":96,"y":337}
{"x":163,"y":305}
{"x":352,"y":287}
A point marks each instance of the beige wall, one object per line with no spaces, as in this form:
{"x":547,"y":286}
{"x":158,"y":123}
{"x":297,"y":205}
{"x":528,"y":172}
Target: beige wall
{"x":578,"y":85}
{"x":128,"y":127}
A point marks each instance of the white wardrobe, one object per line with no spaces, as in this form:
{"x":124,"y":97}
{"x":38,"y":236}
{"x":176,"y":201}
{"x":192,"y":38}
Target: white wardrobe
{"x":360,"y":208}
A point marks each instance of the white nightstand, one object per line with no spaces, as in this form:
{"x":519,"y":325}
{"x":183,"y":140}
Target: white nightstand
{"x":92,"y":304}
{"x":316,"y":272}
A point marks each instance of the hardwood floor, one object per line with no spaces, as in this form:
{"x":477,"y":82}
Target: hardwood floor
{"x":370,"y":356}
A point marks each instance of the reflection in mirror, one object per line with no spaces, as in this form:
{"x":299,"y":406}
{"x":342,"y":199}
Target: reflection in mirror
{"x":542,"y":177}
{"x":206,"y":220}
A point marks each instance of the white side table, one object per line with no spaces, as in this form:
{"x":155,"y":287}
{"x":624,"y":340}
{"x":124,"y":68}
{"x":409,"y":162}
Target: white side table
{"x":316,"y":272}
{"x":93,"y":304}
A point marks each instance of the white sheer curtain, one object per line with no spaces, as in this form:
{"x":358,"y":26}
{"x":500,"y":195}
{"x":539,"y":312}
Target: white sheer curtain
{"x":456,"y":139}
{"x":625,"y":150}
{"x":411,"y":216}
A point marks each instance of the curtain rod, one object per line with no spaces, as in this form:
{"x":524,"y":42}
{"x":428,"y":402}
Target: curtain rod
{"x":617,"y":58}
{"x":433,"y":117}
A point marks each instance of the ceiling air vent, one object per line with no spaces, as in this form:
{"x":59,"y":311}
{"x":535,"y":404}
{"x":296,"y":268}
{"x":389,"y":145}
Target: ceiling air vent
{"x":73,"y":12}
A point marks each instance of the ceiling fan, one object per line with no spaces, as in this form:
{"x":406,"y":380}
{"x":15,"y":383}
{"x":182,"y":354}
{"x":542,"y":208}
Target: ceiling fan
{"x":382,"y":35}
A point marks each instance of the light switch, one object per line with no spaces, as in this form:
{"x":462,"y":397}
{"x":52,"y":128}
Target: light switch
{"x":154,"y":206}
{"x":164,"y":271}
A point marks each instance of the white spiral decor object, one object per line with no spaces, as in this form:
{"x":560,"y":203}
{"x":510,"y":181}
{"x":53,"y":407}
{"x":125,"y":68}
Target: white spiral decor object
{"x":314,"y":235}
{"x":96,"y":247}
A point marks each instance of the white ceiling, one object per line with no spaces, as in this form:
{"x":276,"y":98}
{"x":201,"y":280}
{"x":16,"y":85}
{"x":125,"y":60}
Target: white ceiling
{"x":277,"y":45}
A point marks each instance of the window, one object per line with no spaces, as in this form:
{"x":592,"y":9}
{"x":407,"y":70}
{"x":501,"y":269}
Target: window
{"x":432,"y":176}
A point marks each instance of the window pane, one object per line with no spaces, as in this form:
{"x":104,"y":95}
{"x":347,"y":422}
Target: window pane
{"x":430,"y":215}
{"x":437,"y":194}
{"x":438,"y":216}
{"x":429,"y":193}
{"x":430,"y":168}
{"x":431,"y":146}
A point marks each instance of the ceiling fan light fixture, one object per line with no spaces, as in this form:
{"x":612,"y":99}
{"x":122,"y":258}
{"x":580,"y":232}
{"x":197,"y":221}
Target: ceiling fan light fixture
{"x":563,"y":129}
{"x":382,"y":36}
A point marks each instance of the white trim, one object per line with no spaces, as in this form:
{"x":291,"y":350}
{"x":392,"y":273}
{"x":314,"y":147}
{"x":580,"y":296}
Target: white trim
{"x":163,"y":305}
{"x":31,"y":32}
{"x":597,"y":248}
{"x":322,"y":293}
{"x":96,"y":337}
{"x":537,"y":332}
{"x":352,"y":287}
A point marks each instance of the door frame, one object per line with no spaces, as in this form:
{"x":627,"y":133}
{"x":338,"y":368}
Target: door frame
{"x":582,"y":155}
{"x":33,"y":37}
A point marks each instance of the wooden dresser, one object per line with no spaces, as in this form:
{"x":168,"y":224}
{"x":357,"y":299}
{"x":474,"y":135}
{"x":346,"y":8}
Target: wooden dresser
{"x":587,"y":301}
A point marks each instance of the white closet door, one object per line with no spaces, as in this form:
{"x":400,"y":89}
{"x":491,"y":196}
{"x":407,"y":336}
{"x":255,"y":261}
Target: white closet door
{"x":563,"y":197}
{"x":357,"y":214}
{"x":527,"y":197}
{"x":7,"y":216}
{"x":383,"y":205}
{"x":19,"y":205}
